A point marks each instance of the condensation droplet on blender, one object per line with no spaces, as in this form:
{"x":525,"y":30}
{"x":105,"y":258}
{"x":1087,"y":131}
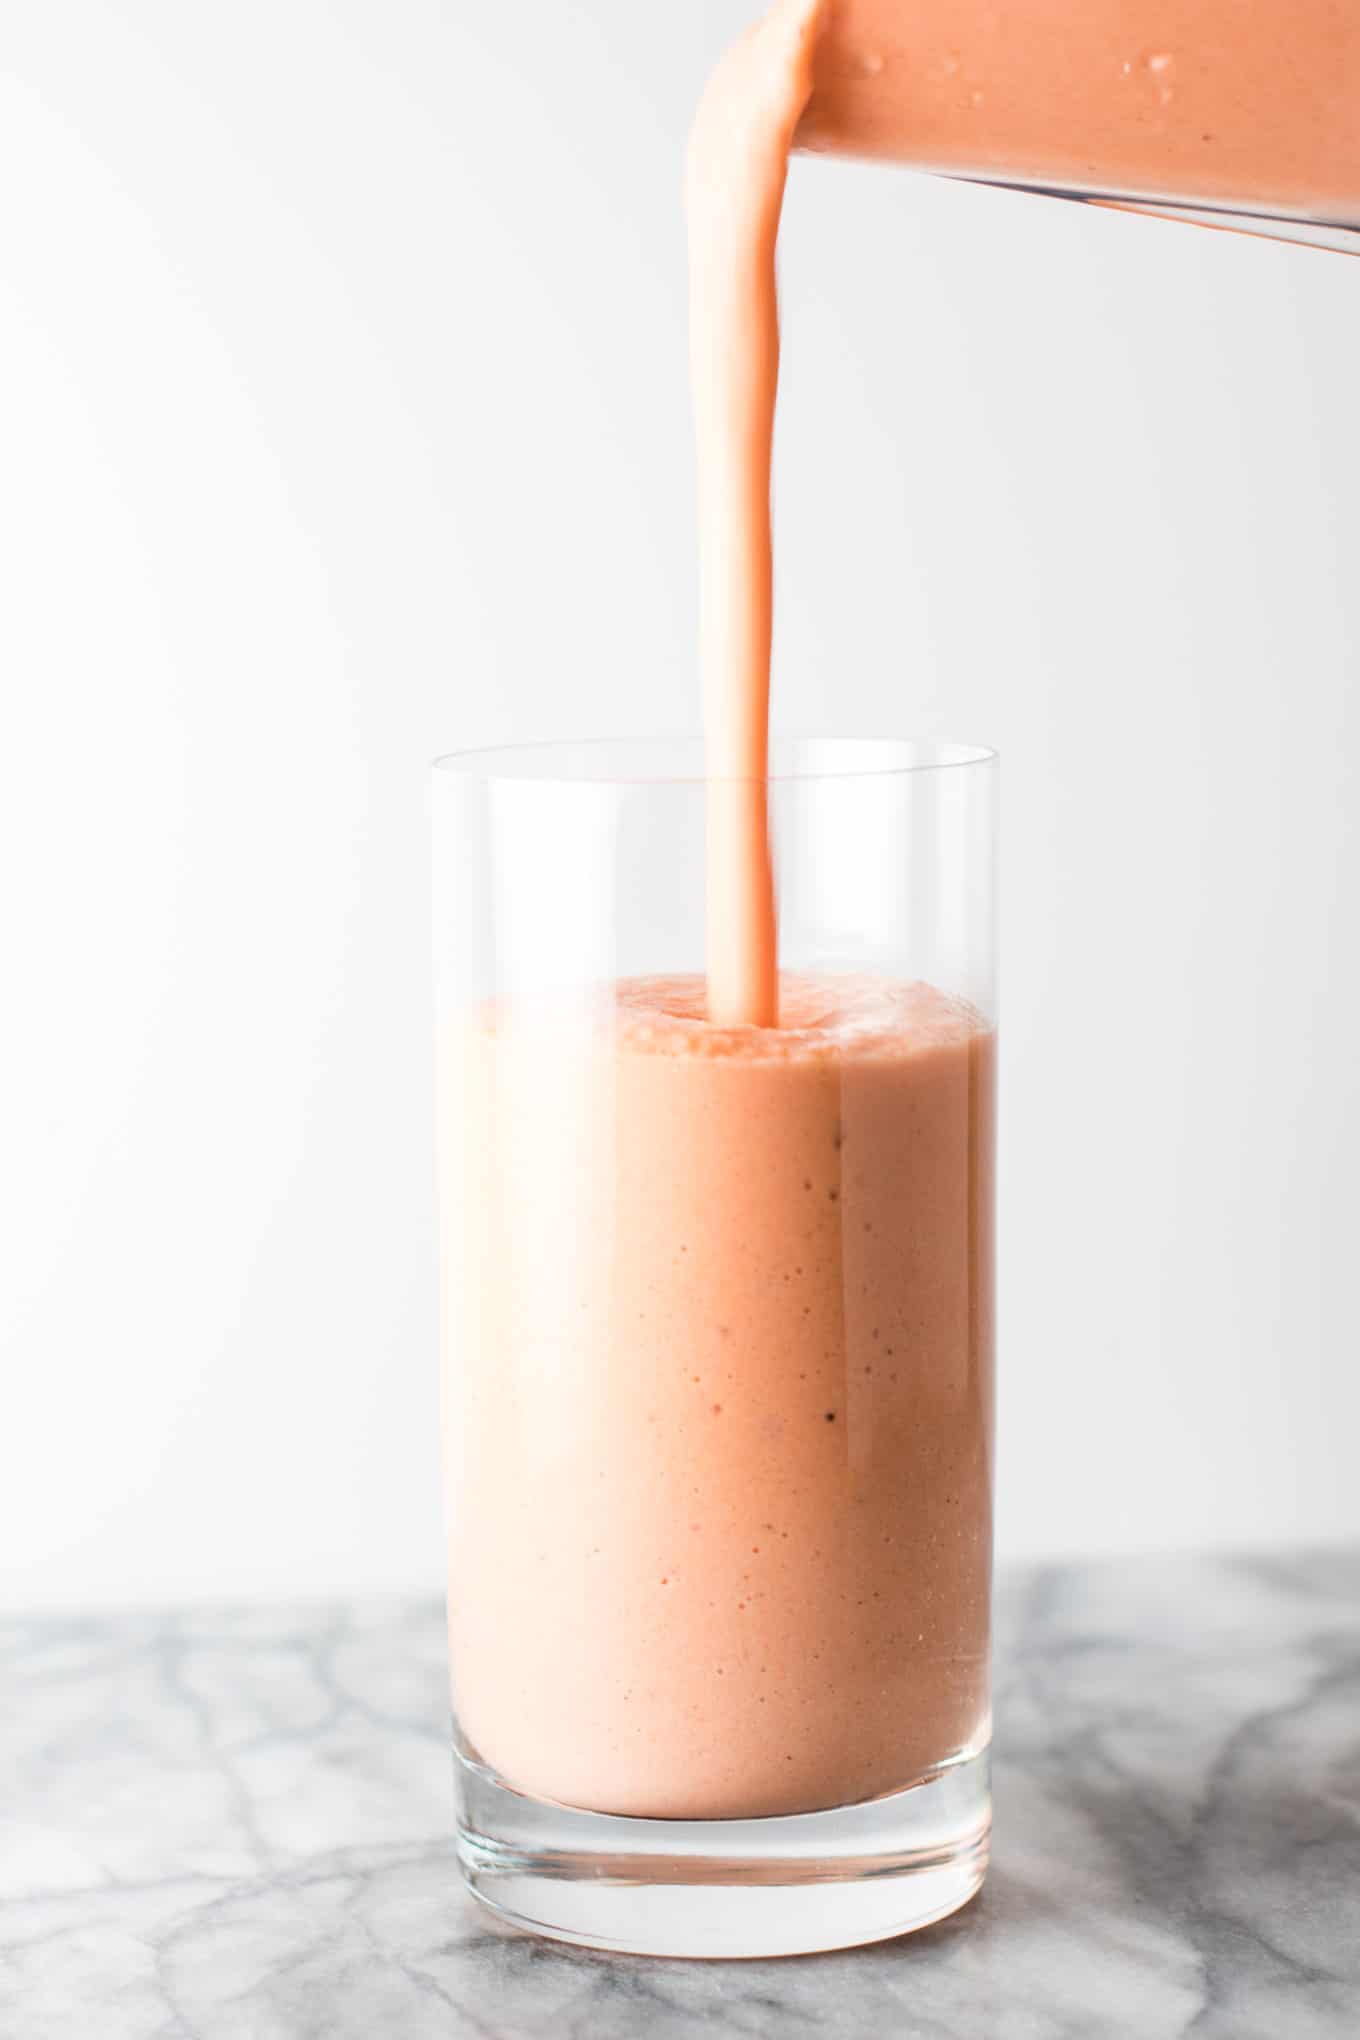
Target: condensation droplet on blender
{"x":976,"y":98}
{"x":871,"y":63}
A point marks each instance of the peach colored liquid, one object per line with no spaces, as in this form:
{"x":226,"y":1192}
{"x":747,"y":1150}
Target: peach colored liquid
{"x":1253,"y":104}
{"x":719,"y":1258}
{"x":721,"y":1432}
{"x":734,"y":193}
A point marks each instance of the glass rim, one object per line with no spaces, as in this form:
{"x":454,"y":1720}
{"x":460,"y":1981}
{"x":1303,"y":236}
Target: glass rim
{"x":533,"y":762}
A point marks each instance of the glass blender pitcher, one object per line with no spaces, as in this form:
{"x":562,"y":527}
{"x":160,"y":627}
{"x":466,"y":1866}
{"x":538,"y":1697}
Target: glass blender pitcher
{"x":1241,"y":114}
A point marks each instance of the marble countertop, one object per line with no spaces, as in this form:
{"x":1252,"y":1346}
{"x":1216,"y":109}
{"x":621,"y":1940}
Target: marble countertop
{"x":226,"y":1824}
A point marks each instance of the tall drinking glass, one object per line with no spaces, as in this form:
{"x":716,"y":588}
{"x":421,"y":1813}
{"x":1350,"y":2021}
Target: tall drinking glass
{"x":718,"y":1328}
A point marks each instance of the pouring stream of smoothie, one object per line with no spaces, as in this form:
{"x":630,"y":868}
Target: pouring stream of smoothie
{"x":738,"y":163}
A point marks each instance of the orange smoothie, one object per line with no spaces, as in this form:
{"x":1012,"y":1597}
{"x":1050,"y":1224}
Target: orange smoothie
{"x":734,"y":194}
{"x":718,"y":1261}
{"x":1247,"y":104}
{"x":721,"y":1434}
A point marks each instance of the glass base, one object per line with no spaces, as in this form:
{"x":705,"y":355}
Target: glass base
{"x":795,"y":1885}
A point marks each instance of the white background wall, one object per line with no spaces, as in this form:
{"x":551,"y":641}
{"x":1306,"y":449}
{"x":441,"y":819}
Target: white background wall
{"x":343,"y":417}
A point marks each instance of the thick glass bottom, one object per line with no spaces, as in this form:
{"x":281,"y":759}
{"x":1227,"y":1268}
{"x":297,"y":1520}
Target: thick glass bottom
{"x":794,"y":1885}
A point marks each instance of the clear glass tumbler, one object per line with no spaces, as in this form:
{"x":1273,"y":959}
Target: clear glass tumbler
{"x":718,"y":1330}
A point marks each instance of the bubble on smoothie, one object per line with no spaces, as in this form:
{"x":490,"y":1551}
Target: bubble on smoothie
{"x":1160,"y":66}
{"x":822,"y":1014}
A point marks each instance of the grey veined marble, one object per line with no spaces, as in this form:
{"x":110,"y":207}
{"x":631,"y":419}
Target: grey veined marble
{"x":234,"y":1825}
